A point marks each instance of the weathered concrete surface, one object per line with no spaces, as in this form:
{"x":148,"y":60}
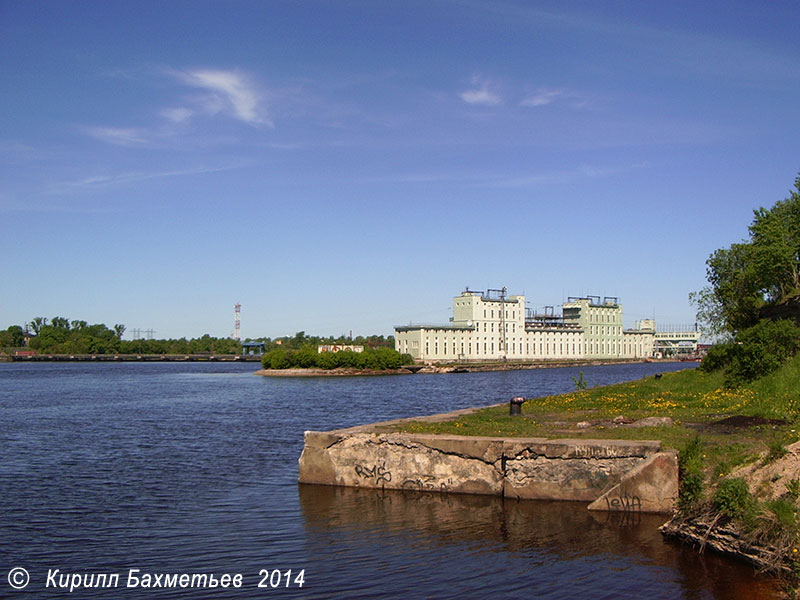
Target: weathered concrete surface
{"x":537,"y":468}
{"x":399,"y":461}
{"x":569,"y":469}
{"x":651,"y":486}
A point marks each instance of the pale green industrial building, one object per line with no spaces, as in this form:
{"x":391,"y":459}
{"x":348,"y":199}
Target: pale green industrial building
{"x":490,"y":326}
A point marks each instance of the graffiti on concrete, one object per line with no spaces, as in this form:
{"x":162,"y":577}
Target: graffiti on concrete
{"x":427,"y":483}
{"x":377,"y":472}
{"x":624,"y":503}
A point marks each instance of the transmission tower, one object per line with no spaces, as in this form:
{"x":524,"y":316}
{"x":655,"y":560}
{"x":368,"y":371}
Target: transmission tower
{"x":237,"y":322}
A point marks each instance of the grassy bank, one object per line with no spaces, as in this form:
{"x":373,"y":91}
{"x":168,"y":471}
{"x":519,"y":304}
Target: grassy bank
{"x":735,"y":425}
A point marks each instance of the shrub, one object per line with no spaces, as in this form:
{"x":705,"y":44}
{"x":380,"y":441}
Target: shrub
{"x":579,"y":381}
{"x":327,"y":360}
{"x":718,"y":357}
{"x":306,"y":358}
{"x":761,"y":350}
{"x":348,"y":358}
{"x":279,"y":359}
{"x":733,"y":499}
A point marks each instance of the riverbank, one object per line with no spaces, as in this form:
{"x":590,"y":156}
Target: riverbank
{"x":200,"y":357}
{"x":473,"y":367}
{"x":484,"y":367}
{"x":338,"y":372}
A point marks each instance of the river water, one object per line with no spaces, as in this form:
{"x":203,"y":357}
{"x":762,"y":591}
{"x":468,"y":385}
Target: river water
{"x":191,"y":468}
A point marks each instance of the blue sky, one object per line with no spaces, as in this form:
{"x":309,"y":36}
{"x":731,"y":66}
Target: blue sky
{"x":351,"y":166}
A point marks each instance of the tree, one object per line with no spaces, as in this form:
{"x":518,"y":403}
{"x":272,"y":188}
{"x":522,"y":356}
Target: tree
{"x":13,"y":337}
{"x":60,"y":322}
{"x":775,"y":235}
{"x":119,"y":330}
{"x":751,"y":277}
{"x":37,"y":324}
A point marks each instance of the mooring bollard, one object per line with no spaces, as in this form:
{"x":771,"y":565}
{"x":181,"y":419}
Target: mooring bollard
{"x":515,"y":406}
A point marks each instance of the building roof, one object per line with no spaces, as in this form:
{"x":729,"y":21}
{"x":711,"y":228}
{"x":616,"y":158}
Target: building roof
{"x":431,"y":326}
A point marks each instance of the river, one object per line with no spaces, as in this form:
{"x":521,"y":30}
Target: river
{"x":167,"y":469}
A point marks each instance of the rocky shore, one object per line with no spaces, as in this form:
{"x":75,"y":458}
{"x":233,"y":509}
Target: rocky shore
{"x":340,"y":372}
{"x":439,"y":369}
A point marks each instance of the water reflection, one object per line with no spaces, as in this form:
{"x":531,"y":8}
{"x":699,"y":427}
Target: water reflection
{"x":538,"y":542}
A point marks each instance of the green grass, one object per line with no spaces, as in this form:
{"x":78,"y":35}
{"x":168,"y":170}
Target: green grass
{"x":692,"y":398}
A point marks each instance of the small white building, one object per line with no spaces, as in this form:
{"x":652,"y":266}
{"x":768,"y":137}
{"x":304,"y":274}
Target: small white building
{"x":338,"y":348}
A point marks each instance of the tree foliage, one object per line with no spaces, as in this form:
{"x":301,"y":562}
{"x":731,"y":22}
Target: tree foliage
{"x":749,"y":281}
{"x":13,"y":337}
{"x":761,"y":349}
{"x":379,"y":359}
{"x":754,"y":274}
{"x":60,"y":335}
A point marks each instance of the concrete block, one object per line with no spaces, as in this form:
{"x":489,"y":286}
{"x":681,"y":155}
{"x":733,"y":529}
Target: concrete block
{"x":650,"y":487}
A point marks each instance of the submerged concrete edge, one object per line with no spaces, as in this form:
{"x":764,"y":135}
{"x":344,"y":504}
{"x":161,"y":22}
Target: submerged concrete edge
{"x":632,"y":476}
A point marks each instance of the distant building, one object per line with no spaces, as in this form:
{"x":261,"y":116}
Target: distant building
{"x":490,"y":326}
{"x":677,"y":342}
{"x":253,"y":348}
{"x":639,"y":341}
{"x":338,"y":348}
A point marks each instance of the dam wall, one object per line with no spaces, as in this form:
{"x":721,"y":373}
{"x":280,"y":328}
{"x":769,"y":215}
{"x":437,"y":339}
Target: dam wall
{"x":613,"y":475}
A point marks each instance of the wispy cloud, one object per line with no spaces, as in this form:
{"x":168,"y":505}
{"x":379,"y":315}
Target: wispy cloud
{"x":122,"y":136}
{"x":547,"y":96}
{"x":568,"y":175}
{"x":217,"y":92}
{"x":542,"y":97}
{"x":105,"y":180}
{"x":177,"y":114}
{"x":481,"y":93}
{"x":494,"y":179}
{"x":231,"y":92}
